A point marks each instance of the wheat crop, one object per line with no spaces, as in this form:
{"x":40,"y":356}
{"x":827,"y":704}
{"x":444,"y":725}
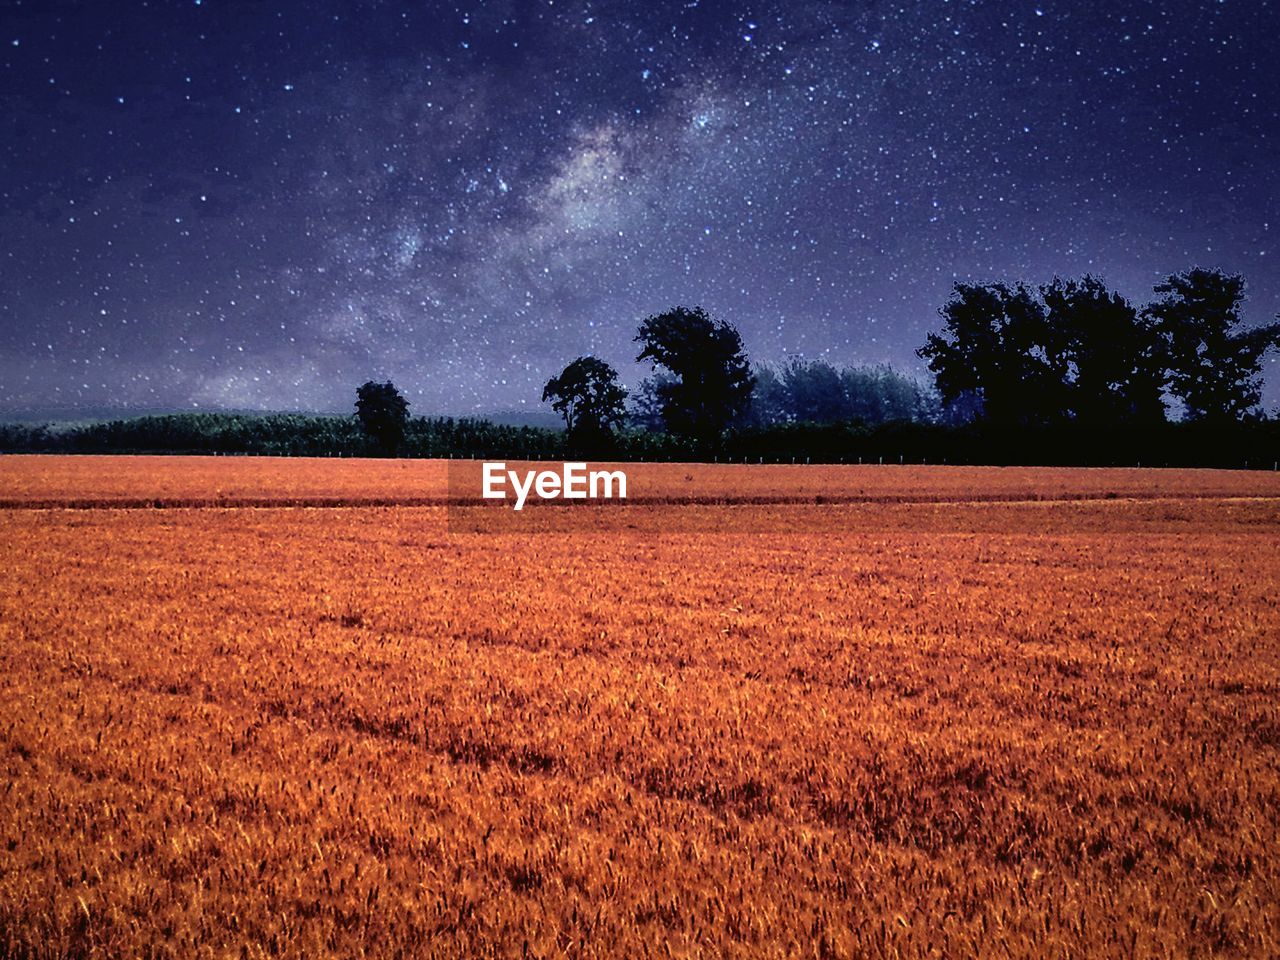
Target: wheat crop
{"x":947,"y":728}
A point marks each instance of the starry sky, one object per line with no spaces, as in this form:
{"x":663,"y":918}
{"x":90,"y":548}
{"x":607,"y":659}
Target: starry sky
{"x":248,"y":204}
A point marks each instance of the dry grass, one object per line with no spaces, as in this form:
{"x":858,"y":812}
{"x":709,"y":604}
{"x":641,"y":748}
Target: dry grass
{"x":231,"y":481}
{"x":901,"y":730}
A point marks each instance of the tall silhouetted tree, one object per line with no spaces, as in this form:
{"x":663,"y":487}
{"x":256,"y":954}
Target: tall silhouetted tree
{"x":1214,"y":364}
{"x":712,"y":379}
{"x":990,"y":356}
{"x":588,"y":396}
{"x":1106,"y":361}
{"x":383,"y":414}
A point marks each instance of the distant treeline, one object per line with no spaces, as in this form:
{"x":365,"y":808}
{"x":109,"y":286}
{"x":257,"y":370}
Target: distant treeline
{"x":277,"y":434}
{"x":1252,"y":444}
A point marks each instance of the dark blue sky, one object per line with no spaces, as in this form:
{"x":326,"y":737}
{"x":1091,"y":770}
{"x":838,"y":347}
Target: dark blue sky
{"x":261,"y":205}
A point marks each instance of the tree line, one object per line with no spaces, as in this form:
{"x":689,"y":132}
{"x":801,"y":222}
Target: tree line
{"x":1068,"y":364}
{"x":1065,"y":372}
{"x":1075,"y":352}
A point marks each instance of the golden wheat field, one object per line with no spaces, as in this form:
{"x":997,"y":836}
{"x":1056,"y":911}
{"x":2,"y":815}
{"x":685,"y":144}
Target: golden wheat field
{"x":838,"y":712}
{"x":86,"y":481}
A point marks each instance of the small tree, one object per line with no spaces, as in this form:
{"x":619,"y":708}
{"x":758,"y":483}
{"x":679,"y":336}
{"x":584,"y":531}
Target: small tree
{"x":383,"y":414}
{"x":712,"y":380}
{"x":588,"y":396}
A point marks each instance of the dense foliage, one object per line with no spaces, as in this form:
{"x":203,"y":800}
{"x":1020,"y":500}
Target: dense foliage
{"x":1253,"y":443}
{"x":709,"y":381}
{"x":587,"y":394}
{"x":280,"y":435}
{"x":804,"y":391}
{"x":383,"y":414}
{"x":1074,"y":352}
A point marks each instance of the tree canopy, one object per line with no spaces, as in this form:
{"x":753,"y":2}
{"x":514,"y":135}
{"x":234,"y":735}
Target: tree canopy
{"x":1072,"y":351}
{"x":587,"y":394}
{"x":382,"y":413}
{"x":1105,"y":361}
{"x":711,"y":379}
{"x":1213,"y":361}
{"x":814,"y":391}
{"x":986,"y":354}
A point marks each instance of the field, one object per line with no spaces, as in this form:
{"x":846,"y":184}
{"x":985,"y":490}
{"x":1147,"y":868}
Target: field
{"x":762,"y":711}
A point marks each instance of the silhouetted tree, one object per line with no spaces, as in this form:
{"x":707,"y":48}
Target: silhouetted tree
{"x":991,"y":357}
{"x":1106,"y":361}
{"x":1071,"y":352}
{"x":1213,"y":363}
{"x":383,"y":414}
{"x":588,"y":396}
{"x":712,"y":380}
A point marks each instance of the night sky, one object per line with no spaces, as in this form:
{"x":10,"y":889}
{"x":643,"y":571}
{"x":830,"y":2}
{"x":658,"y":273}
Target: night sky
{"x":213,"y":204}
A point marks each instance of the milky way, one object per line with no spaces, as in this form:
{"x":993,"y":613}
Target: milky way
{"x":219,"y":204}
